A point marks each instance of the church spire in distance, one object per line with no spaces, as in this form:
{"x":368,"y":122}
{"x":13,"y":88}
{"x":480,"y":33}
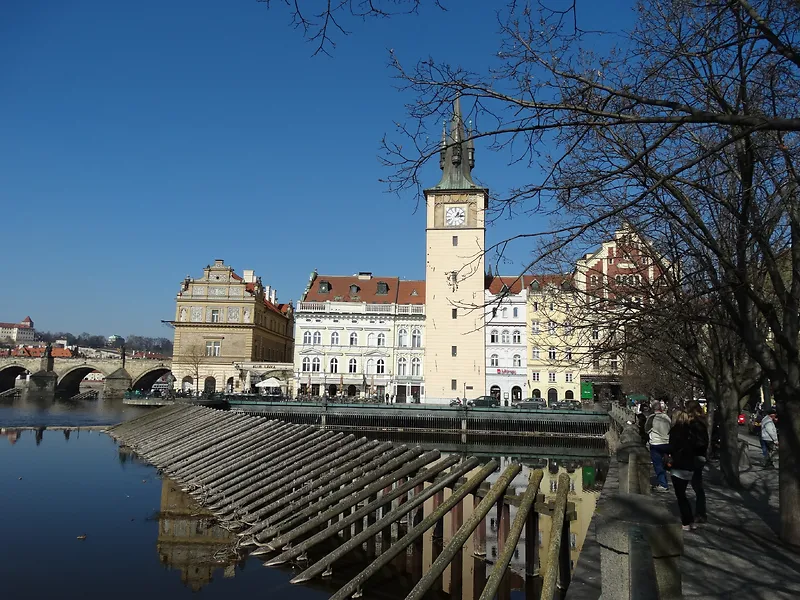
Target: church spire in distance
{"x":457,"y":154}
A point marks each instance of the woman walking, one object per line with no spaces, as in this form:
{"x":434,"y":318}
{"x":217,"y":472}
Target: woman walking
{"x":688,"y":440}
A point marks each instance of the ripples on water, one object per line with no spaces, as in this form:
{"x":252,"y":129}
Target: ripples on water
{"x":146,"y":537}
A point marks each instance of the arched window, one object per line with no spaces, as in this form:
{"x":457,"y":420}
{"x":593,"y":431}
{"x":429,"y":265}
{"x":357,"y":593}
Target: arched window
{"x":515,"y":312}
{"x":517,"y":361}
{"x":551,"y":354}
{"x":307,"y":337}
{"x":370,"y":339}
{"x":354,"y":339}
{"x":381,"y":339}
{"x":370,"y":367}
{"x":536,"y":393}
{"x":493,"y":336}
{"x":416,"y":339}
{"x":352,"y":366}
{"x":381,"y":367}
{"x":593,"y":279}
{"x":306,"y":364}
{"x":517,"y":337}
{"x":335,"y":338}
{"x":568,"y":395}
{"x":416,"y":367}
{"x":402,"y":363}
{"x":315,"y":364}
{"x":504,"y":336}
{"x":494,"y":360}
{"x":504,"y":312}
{"x":317,"y":337}
{"x":402,"y":338}
{"x":334,"y":365}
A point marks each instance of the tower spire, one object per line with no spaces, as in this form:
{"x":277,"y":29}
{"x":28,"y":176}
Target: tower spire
{"x":457,"y":154}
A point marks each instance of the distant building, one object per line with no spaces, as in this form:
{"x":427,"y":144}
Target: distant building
{"x":230,"y":332}
{"x":506,"y":340}
{"x":19,"y":333}
{"x":114,"y":340}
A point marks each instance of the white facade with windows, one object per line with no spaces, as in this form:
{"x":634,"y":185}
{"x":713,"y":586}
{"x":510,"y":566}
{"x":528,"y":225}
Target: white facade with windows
{"x":506,"y":343}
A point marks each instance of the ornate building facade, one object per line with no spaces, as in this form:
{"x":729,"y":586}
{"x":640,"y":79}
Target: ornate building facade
{"x":506,"y":340}
{"x":230,"y":331}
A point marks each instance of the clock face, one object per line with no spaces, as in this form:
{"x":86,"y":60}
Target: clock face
{"x":455,"y":216}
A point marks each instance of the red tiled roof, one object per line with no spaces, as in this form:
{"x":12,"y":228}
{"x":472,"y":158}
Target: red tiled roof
{"x":515,"y":282}
{"x":411,"y":292}
{"x":235,"y":276}
{"x":15,"y":325}
{"x":38,"y":352}
{"x":27,"y":320}
{"x":340,"y":289}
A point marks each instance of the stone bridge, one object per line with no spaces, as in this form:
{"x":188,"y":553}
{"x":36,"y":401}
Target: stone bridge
{"x":64,"y":375}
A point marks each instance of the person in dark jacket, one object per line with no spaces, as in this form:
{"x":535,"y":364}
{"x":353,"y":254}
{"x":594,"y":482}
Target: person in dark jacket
{"x":688,"y":441}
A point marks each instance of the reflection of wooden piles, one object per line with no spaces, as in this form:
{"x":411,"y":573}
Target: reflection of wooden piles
{"x":301,"y":494}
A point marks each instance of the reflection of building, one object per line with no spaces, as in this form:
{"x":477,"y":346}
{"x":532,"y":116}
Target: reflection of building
{"x":360,"y":336}
{"x":190,"y":540}
{"x":224,"y":320}
{"x":19,"y":333}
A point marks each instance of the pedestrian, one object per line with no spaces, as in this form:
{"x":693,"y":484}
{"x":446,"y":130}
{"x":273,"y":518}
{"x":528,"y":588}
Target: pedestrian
{"x":641,"y":421}
{"x":657,"y":428}
{"x":769,"y":437}
{"x":688,"y":442}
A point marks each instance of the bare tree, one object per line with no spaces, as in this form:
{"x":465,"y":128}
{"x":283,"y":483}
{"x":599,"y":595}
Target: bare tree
{"x":193,"y":357}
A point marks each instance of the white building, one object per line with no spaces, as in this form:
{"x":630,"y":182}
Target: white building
{"x":19,"y":333}
{"x":360,"y":336}
{"x":506,"y":342}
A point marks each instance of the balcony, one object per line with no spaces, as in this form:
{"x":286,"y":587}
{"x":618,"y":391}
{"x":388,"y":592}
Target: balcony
{"x":332,"y":307}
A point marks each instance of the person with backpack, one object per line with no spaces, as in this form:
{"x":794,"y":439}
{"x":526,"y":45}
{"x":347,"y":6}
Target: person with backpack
{"x":657,"y":428}
{"x":688,"y":441}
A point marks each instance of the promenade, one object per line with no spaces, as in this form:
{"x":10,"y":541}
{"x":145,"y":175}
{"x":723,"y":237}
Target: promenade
{"x":737,"y":554}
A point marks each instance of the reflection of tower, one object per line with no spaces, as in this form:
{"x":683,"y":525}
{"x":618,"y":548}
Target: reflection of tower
{"x":190,"y":540}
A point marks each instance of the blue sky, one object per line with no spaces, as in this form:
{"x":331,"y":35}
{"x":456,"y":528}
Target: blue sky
{"x":141,"y":141}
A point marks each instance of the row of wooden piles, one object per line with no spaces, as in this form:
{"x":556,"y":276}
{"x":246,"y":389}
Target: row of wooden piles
{"x":287,"y":488}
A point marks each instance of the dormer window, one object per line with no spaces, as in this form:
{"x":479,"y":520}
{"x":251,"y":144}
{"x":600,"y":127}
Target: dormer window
{"x":383,"y":288}
{"x":354,"y":289}
{"x":324,"y":287}
{"x":504,"y":290}
{"x":534,"y":285}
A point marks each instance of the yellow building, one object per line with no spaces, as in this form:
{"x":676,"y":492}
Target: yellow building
{"x":230,"y":331}
{"x":455,"y":355}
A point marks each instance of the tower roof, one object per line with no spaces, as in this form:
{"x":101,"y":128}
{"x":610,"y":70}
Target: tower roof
{"x":457,"y":155}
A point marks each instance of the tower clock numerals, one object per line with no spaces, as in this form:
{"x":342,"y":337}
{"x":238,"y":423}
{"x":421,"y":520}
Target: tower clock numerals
{"x":455,"y":216}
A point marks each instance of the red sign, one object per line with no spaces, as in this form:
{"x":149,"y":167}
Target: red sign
{"x":506,"y":372}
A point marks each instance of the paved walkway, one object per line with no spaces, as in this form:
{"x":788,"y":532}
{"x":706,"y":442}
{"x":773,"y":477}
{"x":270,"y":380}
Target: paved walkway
{"x":737,"y":554}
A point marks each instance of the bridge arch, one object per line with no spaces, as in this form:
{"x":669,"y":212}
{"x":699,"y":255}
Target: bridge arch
{"x":146,"y":379}
{"x":70,"y":380}
{"x":9,"y":374}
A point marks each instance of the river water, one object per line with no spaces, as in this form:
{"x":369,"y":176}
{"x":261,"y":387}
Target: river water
{"x":146,"y":538}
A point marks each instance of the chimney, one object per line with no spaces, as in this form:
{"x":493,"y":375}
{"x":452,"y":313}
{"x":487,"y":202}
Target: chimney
{"x":267,"y":292}
{"x":364,"y":275}
{"x":273,"y":296}
{"x":249,"y":276}
{"x":218,"y":262}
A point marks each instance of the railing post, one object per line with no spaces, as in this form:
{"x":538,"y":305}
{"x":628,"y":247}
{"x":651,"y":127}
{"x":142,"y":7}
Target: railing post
{"x":532,"y":544}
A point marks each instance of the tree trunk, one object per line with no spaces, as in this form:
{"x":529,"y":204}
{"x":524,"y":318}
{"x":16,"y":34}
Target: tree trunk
{"x":729,"y":434}
{"x":787,"y":398}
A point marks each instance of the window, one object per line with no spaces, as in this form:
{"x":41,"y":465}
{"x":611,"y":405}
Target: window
{"x":551,"y":377}
{"x":573,"y":538}
{"x":315,"y":364}
{"x":371,"y":339}
{"x":552,"y":306}
{"x":212,"y":348}
{"x":535,"y":328}
{"x":493,"y":336}
{"x":354,"y":289}
{"x":335,"y":338}
{"x":553,"y":485}
{"x":645,"y":260}
{"x":306,"y":365}
{"x":354,"y":339}
{"x":517,"y":360}
{"x":402,"y":363}
{"x":381,"y":367}
{"x":535,"y":376}
{"x":453,"y":384}
{"x":552,"y":328}
{"x":567,"y":329}
{"x":551,"y":354}
{"x":611,"y":260}
{"x":535,"y":307}
{"x":455,"y":240}
{"x":453,"y":350}
{"x":352,"y":366}
{"x":317,"y":338}
{"x":307,"y":337}
{"x":402,"y":338}
{"x":568,"y":377}
{"x":614,"y":363}
{"x":517,"y":337}
{"x":381,"y":339}
{"x":593,"y":280}
{"x":515,"y":312}
{"x":455,"y":313}
{"x":595,"y":333}
{"x":504,"y":312}
{"x":383,"y":288}
{"x":504,"y":336}
{"x":568,"y":354}
{"x":416,"y":367}
{"x":324,"y":287}
{"x":215,"y":315}
{"x":370,"y":367}
{"x":535,"y":354}
{"x":416,"y":339}
{"x":494,"y":360}
{"x":334,"y":364}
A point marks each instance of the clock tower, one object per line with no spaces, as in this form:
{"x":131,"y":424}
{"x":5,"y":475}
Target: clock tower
{"x":455,"y":355}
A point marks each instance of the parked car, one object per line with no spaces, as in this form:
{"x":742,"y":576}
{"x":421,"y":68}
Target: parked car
{"x":753,"y":422}
{"x":531,"y":403}
{"x":742,"y":419}
{"x":567,"y":405}
{"x":484,"y":402}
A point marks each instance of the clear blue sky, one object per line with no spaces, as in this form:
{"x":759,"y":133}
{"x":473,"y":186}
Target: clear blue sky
{"x":141,"y":141}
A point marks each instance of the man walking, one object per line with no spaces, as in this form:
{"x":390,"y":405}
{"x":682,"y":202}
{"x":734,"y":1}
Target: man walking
{"x":769,"y":437}
{"x":657,"y":428}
